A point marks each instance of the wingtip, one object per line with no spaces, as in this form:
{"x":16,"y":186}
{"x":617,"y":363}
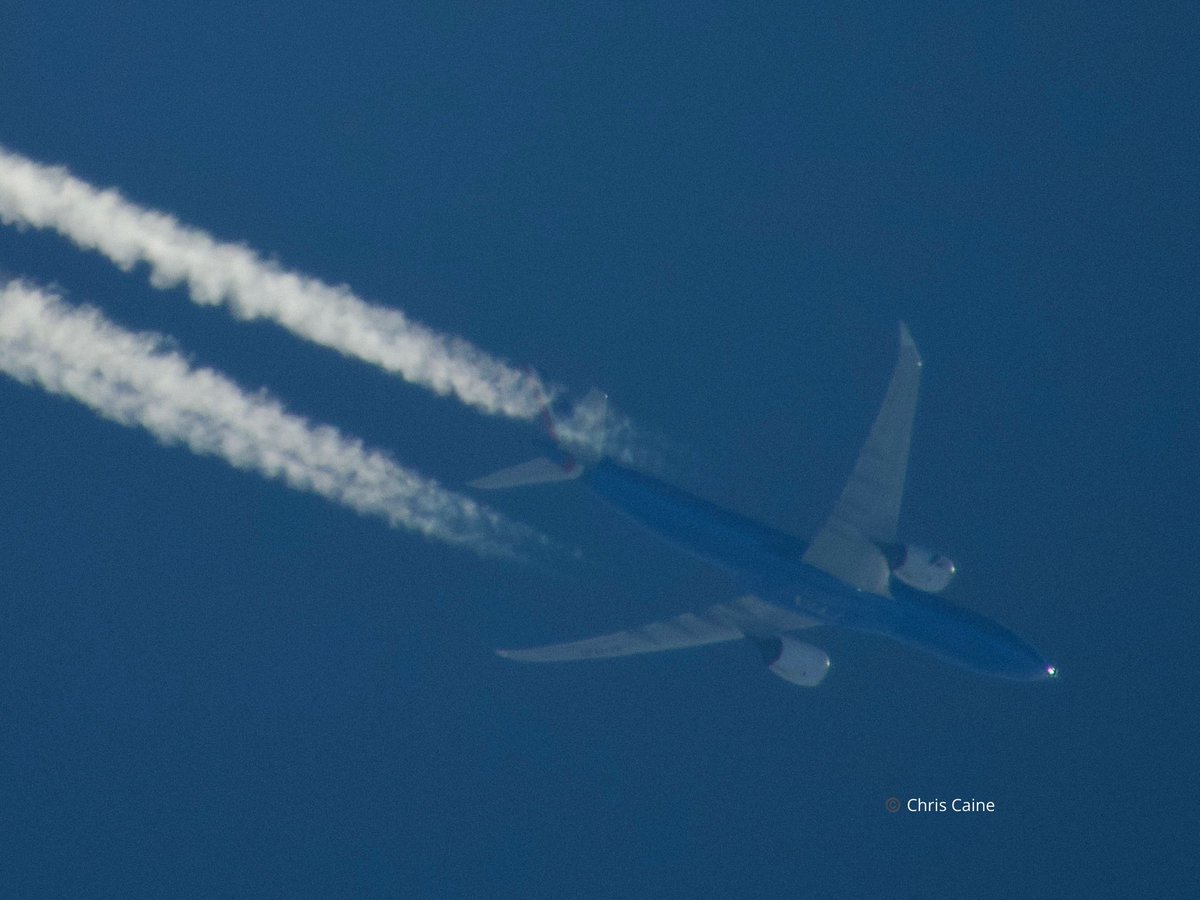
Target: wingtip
{"x":907,"y":342}
{"x":508,"y":654}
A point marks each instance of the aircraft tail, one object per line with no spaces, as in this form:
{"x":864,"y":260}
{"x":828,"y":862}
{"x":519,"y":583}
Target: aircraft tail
{"x":581,"y":430}
{"x":576,"y":436}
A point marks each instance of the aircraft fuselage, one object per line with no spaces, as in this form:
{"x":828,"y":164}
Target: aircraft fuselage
{"x":768,"y":562}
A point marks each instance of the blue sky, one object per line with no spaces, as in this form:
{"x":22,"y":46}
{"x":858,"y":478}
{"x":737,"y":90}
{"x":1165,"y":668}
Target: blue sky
{"x":216,"y":686}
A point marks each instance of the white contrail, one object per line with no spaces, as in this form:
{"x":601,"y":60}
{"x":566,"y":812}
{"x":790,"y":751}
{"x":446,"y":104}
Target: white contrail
{"x":136,"y":379}
{"x":41,"y":196}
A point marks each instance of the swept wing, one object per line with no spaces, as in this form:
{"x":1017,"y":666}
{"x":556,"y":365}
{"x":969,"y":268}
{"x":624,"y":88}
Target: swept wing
{"x":867,"y":512}
{"x":745,"y":617}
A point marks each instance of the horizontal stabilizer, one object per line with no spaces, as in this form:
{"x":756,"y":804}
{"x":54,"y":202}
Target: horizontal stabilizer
{"x":746,"y":616}
{"x":536,"y":471}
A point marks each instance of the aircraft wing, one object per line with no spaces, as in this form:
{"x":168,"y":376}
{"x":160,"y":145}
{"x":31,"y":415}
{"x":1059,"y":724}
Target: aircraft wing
{"x":868,"y":509}
{"x":745,"y":617}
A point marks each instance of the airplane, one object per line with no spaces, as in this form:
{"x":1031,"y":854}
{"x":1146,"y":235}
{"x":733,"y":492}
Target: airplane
{"x":854,"y":574}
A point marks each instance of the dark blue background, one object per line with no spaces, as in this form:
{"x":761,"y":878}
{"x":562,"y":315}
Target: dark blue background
{"x":212,"y":686}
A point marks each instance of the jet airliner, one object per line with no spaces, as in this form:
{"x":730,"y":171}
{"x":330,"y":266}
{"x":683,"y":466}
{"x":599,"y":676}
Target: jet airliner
{"x":854,"y":574}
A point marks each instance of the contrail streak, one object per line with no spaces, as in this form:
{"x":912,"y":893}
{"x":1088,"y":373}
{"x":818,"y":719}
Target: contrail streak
{"x":252,"y":287}
{"x":137,"y":380}
{"x":38,"y":196}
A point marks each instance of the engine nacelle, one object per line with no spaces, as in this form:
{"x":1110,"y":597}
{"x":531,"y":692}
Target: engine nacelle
{"x":920,"y":568}
{"x":794,"y":660}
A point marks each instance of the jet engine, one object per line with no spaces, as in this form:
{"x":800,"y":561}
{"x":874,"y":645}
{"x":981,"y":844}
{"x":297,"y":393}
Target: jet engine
{"x":794,"y":660}
{"x":920,"y":567}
